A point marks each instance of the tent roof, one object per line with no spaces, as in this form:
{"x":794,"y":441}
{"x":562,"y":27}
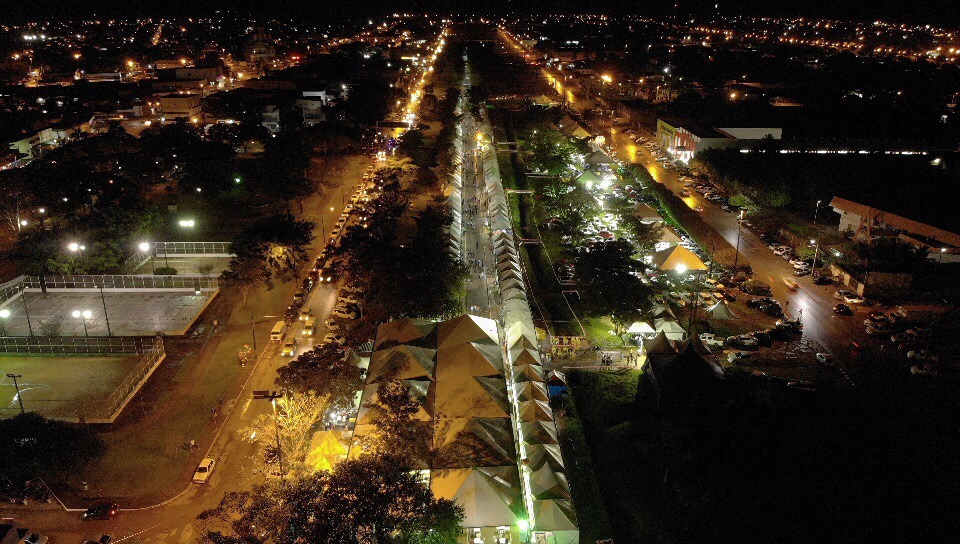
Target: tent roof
{"x":535,"y":410}
{"x":474,"y":442}
{"x":721,"y":310}
{"x":640,"y":327}
{"x":587,"y":177}
{"x":486,"y":494}
{"x":539,"y":432}
{"x":669,"y":236}
{"x":547,"y":483}
{"x":525,"y":356}
{"x":531,"y":391}
{"x":554,"y":515}
{"x":402,"y":362}
{"x":470,"y":359}
{"x":403,"y":331}
{"x":472,"y":396}
{"x":466,"y":328}
{"x":556,"y":377}
{"x":675,"y":257}
{"x":598,"y":157}
{"x":644,"y":211}
{"x":539,"y":455}
{"x":523,"y":373}
{"x":697,"y":344}
{"x":326,"y":450}
{"x":658,"y":344}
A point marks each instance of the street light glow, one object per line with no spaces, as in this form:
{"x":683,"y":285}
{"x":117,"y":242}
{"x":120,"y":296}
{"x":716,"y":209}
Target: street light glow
{"x":4,"y":313}
{"x":187,"y":223}
{"x":144,"y":246}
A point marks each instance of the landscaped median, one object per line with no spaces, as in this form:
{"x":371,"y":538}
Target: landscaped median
{"x":676,"y":211}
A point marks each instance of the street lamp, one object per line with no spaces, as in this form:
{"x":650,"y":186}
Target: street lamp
{"x":816,"y":247}
{"x":145,"y":247}
{"x":76,"y":248}
{"x":103,"y":299}
{"x":17,"y":387}
{"x":84,"y":315}
{"x":942,"y":251}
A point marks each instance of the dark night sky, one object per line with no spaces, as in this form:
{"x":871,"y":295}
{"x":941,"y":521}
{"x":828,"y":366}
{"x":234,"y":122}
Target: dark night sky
{"x":941,"y":12}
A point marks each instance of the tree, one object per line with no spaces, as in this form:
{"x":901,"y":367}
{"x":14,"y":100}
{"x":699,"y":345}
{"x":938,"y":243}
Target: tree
{"x":293,"y":421}
{"x":274,"y":244}
{"x":35,"y":446}
{"x":607,"y":274}
{"x":397,"y":429}
{"x":244,"y":273}
{"x":322,"y":371}
{"x":643,"y":235}
{"x":374,"y":499}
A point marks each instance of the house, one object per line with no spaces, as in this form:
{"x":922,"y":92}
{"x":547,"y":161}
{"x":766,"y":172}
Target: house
{"x":685,"y":138}
{"x":868,"y":222}
{"x":179,"y":105}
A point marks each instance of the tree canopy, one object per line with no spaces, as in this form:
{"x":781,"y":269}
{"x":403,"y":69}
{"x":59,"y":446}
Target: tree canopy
{"x":607,"y":274}
{"x":371,"y":499}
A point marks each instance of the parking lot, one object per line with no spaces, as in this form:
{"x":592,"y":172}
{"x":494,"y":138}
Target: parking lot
{"x":130,"y":313}
{"x":61,"y":387}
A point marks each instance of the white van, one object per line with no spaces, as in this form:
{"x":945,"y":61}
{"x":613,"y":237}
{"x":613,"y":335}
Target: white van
{"x":278,"y":332}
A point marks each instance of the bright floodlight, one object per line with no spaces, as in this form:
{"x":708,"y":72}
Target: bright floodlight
{"x":189,"y":223}
{"x":76,"y":313}
{"x":144,"y":246}
{"x":681,"y":268}
{"x":73,"y":246}
{"x":4,"y":313}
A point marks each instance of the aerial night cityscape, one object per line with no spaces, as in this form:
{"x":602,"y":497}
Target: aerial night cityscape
{"x":503,"y":272}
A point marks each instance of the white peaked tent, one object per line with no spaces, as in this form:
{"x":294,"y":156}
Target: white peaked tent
{"x":466,"y":328}
{"x":555,"y":377}
{"x":513,"y":294}
{"x":531,"y":391}
{"x":523,"y":357}
{"x":659,"y":345}
{"x":586,"y":177}
{"x":670,"y":328}
{"x":721,"y":311}
{"x":540,"y":455}
{"x":641,"y":327}
{"x":677,"y":258}
{"x":556,"y":516}
{"x":539,"y":432}
{"x":403,"y":331}
{"x":548,"y":484}
{"x":486,"y":494}
{"x":535,"y":410}
{"x":524,"y":373}
{"x":512,"y":284}
{"x":598,"y":157}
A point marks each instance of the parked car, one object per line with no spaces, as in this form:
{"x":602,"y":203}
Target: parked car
{"x":202,"y":474}
{"x":824,"y":358}
{"x":742,"y":340}
{"x":842,"y":309}
{"x":878,"y":330}
{"x":763,"y":338}
{"x":711,"y":340}
{"x":822,"y":279}
{"x":101,"y":511}
{"x":331,"y":338}
{"x":349,"y":299}
{"x":922,"y":355}
{"x":104,"y":539}
{"x":802,"y":271}
{"x":854,"y":299}
{"x":344,"y":313}
{"x":840,"y":295}
{"x":34,"y":538}
{"x":740,"y":357}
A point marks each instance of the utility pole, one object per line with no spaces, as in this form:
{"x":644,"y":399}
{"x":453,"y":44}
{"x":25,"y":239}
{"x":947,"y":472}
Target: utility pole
{"x":16,"y":386}
{"x":103,"y":299}
{"x":736,"y":255}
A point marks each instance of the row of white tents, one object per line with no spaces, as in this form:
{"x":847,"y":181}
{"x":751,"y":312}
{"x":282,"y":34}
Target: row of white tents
{"x":545,"y":482}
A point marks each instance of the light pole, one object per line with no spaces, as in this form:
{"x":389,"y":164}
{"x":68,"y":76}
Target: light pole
{"x":16,"y":386}
{"x":145,"y":247}
{"x":816,"y":247}
{"x":816,"y":211}
{"x":103,"y":299}
{"x":942,"y":251}
{"x":272,"y":397}
{"x":77,"y":248}
{"x":84,"y":315}
{"x":4,"y":314}
{"x":736,"y":255}
{"x":166,"y":260}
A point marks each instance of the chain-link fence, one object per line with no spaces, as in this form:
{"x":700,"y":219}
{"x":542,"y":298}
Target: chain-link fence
{"x":191,"y":248}
{"x":11,"y":289}
{"x":149,"y":359}
{"x":191,"y":281}
{"x":76,"y":345}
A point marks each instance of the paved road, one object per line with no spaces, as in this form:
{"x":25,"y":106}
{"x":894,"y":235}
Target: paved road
{"x":239,"y":465}
{"x":833,"y":332}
